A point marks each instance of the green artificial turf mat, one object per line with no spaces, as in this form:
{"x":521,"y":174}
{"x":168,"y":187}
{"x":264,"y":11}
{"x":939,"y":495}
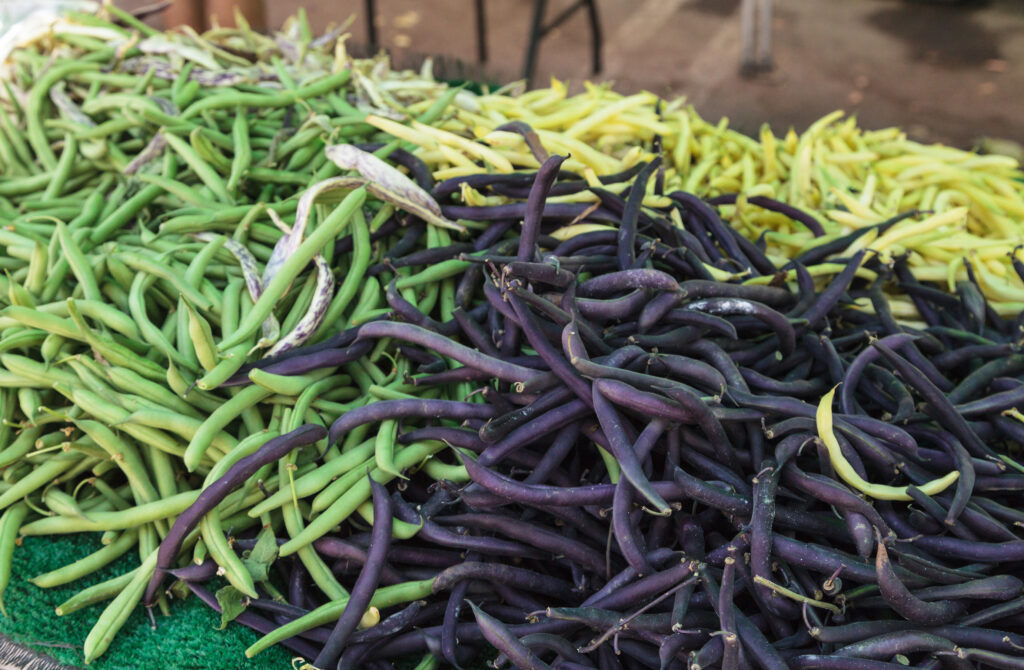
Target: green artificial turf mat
{"x":186,"y":640}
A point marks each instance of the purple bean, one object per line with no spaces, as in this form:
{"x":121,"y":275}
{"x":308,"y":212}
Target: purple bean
{"x":395,"y":409}
{"x":506,"y":574}
{"x":217,"y":490}
{"x":627,"y":280}
{"x":446,"y":347}
{"x":505,"y":641}
{"x":631,"y":213}
{"x":900,"y":598}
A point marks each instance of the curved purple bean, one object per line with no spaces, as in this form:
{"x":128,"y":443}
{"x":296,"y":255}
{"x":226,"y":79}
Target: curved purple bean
{"x":899,"y":597}
{"x":407,"y":408}
{"x":436,"y":342}
{"x":213,"y":494}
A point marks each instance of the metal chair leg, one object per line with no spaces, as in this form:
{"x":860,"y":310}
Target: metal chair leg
{"x":536,"y":33}
{"x":764,"y":46}
{"x":596,"y":41}
{"x":370,"y":12}
{"x":481,"y":31}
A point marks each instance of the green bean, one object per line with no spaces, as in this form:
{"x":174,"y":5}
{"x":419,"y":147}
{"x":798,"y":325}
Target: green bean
{"x":79,"y":266}
{"x":149,"y":332}
{"x":88,"y":564}
{"x":384,"y":447}
{"x":369,"y":298}
{"x":119,"y":520}
{"x":10,"y":523}
{"x":125,"y":455}
{"x":434,"y":273}
{"x":318,"y":570}
{"x":38,"y":477}
{"x":233,"y":568}
{"x":185,"y":426}
{"x":383,"y":597}
{"x":27,"y":368}
{"x":327,"y":231}
{"x":202,"y":169}
{"x":30,"y":401}
{"x":207,"y":151}
{"x":438,"y":471}
{"x":23,"y":444}
{"x":36,"y":269}
{"x":102,"y":409}
{"x":145,"y":264}
{"x":63,"y":168}
{"x":112,"y":351}
{"x":117,"y":612}
{"x":284,"y":99}
{"x":28,"y":338}
{"x":128,"y":381}
{"x":163,"y":471}
{"x":201,"y":337}
{"x":315,"y":481}
{"x":96,"y":593}
{"x":34,"y":114}
{"x":218,"y":420}
{"x":400,"y":530}
{"x":16,"y":140}
{"x":120,"y":216}
{"x":243,"y":151}
{"x":358,"y":493}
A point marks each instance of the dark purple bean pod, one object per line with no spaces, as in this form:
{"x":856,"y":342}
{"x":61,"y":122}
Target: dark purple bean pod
{"x":630,"y":595}
{"x":435,"y":342}
{"x":829,"y":298}
{"x":552,"y":355}
{"x":539,"y":494}
{"x":727,"y":616}
{"x":626,"y":280}
{"x":407,"y":409}
{"x":989,"y":659}
{"x":630,"y":543}
{"x":255,"y":622}
{"x":474,"y":332}
{"x":826,"y":561}
{"x":529,"y":136}
{"x":409,"y":313}
{"x":833,"y":493}
{"x":535,"y":205}
{"x":534,"y":430}
{"x":622,"y":449}
{"x":937,"y":405}
{"x":656,"y":309}
{"x":793,"y":213}
{"x":755,"y":645}
{"x":517,"y":211}
{"x":997,"y":587}
{"x":822,"y":662}
{"x":449,"y":638}
{"x":631,"y":213}
{"x":691,"y":371}
{"x":762,"y":518}
{"x":505,"y":641}
{"x":647,"y":404}
{"x":195,"y":573}
{"x":709,"y":322}
{"x":531,"y":534}
{"x":522,"y":578}
{"x":890,"y":644}
{"x":366,"y":583}
{"x":698,"y":289}
{"x":303,"y":362}
{"x":213,"y":494}
{"x":801,"y":388}
{"x":971,"y":385}
{"x":771,"y":318}
{"x":611,"y":309}
{"x":900,"y":598}
{"x":500,"y":426}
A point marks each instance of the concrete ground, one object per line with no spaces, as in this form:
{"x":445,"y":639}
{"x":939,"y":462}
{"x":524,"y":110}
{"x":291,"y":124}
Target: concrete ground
{"x":945,"y":73}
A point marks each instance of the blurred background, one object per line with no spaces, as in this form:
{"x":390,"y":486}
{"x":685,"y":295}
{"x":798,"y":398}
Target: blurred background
{"x":945,"y":70}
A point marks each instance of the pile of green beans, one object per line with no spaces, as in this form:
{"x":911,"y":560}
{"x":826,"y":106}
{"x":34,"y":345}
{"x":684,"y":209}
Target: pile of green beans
{"x":146,"y":179}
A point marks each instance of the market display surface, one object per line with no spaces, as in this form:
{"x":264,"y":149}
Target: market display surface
{"x":395,"y":373}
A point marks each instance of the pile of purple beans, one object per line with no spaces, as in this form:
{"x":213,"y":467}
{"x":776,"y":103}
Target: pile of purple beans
{"x":649,"y":482}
